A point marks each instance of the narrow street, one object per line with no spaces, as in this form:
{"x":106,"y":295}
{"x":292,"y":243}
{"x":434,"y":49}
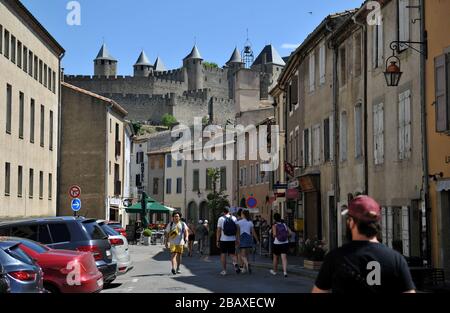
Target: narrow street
{"x":151,"y":274}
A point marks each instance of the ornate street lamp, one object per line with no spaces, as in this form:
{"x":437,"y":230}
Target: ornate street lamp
{"x":393,"y":72}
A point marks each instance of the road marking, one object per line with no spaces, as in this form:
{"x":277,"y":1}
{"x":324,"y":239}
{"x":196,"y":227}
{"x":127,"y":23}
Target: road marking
{"x":135,"y":280}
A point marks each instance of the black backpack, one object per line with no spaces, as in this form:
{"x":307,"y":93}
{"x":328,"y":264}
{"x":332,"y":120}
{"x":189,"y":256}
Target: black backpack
{"x":229,"y":227}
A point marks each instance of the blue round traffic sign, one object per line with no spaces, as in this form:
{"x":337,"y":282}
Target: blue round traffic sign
{"x":76,"y":205}
{"x":252,"y":202}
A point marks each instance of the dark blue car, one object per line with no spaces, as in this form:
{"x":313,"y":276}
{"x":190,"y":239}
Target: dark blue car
{"x":4,"y":281}
{"x":24,"y":275}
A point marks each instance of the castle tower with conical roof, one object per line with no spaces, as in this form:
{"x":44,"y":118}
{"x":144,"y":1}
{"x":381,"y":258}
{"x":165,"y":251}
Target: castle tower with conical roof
{"x":193,"y":66}
{"x":142,"y":67}
{"x":234,"y":64}
{"x":104,"y":63}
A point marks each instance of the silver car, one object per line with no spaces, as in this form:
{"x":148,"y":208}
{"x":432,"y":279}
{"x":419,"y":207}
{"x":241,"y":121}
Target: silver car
{"x":119,"y":248}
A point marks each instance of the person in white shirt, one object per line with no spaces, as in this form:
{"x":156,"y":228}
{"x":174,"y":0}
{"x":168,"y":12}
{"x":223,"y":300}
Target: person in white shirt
{"x":227,"y":237}
{"x":176,"y":234}
{"x":247,"y":233}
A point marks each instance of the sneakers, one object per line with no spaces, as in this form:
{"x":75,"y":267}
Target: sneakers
{"x":178,"y":271}
{"x":174,"y":272}
{"x":243,"y":271}
{"x":273,"y":272}
{"x":285,"y":275}
{"x":238,"y":269}
{"x":223,"y":273}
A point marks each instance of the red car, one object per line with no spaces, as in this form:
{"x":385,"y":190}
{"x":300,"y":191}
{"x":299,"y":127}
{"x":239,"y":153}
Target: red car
{"x":118,"y":228}
{"x":59,"y":267}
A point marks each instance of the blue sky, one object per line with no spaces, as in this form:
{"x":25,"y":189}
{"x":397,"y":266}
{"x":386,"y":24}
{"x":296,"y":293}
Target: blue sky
{"x":169,"y":28}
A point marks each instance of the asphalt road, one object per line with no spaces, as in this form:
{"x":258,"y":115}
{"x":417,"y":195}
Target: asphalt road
{"x":151,"y":274}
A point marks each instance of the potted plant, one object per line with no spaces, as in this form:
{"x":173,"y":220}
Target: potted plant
{"x":147,"y":236}
{"x":314,"y":253}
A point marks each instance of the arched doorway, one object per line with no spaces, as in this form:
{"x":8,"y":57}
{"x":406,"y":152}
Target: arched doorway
{"x":204,"y":212}
{"x":192,"y":212}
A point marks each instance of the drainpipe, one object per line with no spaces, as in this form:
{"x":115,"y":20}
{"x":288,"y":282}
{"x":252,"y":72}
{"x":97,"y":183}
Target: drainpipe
{"x":58,"y":149}
{"x":336,"y":126}
{"x":426,"y":250}
{"x":366,"y":154}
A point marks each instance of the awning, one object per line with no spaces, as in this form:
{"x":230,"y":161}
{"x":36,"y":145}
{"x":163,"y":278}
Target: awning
{"x":443,"y":185}
{"x":151,"y":207}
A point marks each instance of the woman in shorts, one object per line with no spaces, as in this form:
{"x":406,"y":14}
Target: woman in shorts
{"x":247,"y":233}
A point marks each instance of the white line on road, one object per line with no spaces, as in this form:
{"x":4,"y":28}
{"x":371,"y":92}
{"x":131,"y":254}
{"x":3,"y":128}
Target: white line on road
{"x":135,"y":280}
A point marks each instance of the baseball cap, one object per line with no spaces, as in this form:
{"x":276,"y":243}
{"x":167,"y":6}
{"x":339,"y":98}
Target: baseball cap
{"x":205,"y":222}
{"x":200,"y":222}
{"x":364,"y":208}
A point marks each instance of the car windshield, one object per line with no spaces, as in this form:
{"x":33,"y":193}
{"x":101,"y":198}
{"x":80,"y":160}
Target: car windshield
{"x":115,"y":225}
{"x":109,"y":231}
{"x":18,"y":254}
{"x":36,"y":247}
{"x":94,"y":230}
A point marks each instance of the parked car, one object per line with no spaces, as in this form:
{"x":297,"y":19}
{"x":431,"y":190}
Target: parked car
{"x":58,"y":265}
{"x":68,"y":233}
{"x":24,"y":275}
{"x":119,"y":248}
{"x":118,"y":228}
{"x":4,"y":281}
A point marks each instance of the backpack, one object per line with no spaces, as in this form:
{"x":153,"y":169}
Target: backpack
{"x":282,"y":232}
{"x":229,"y":227}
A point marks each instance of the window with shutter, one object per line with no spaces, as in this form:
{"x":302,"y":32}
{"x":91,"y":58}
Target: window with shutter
{"x":403,"y":23}
{"x":380,"y":44}
{"x":322,"y":64}
{"x":408,"y":117}
{"x":312,"y":70}
{"x":381,"y":133}
{"x":358,"y":130}
{"x":343,"y":137}
{"x":401,"y":127}
{"x":375,"y":134}
{"x":442,"y":78}
{"x":331,"y":119}
{"x":316,"y":145}
{"x":294,"y":91}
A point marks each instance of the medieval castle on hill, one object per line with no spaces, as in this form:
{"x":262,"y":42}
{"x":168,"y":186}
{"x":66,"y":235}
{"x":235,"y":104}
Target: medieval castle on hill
{"x":194,"y":90}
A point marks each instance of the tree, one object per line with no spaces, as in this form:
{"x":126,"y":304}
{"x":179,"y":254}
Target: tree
{"x":169,"y":120}
{"x":210,"y":64}
{"x":217,"y":202}
{"x":136,"y":127}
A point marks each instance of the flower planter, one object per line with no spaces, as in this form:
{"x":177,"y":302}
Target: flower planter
{"x":146,"y":241}
{"x":312,"y":265}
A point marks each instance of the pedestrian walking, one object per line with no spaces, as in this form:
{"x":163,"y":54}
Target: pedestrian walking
{"x":206,"y":240}
{"x":227,"y":237}
{"x":247,"y":234}
{"x":281,"y":234}
{"x":199,"y":236}
{"x":364,"y":265}
{"x":177,"y":235}
{"x":191,"y":238}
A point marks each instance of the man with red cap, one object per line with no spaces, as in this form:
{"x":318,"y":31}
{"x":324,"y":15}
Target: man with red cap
{"x":364,"y":265}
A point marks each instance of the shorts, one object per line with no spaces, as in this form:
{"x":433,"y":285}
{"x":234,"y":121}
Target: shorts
{"x":176,"y":248}
{"x":228,"y":247}
{"x":280,"y":249}
{"x":191,"y":238}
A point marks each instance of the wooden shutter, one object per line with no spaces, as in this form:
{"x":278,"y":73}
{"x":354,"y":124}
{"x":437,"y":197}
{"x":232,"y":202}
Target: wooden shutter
{"x":311,"y":71}
{"x":401,"y":127}
{"x":405,"y":230}
{"x":442,"y":107}
{"x":309,"y":146}
{"x":375,"y":134}
{"x":407,"y":120}
{"x":384,"y":224}
{"x":381,"y":132}
{"x":374,"y":46}
{"x":403,"y":23}
{"x":380,"y":44}
{"x":332,"y":138}
{"x":322,"y":62}
{"x":390,"y":221}
{"x":294,"y":90}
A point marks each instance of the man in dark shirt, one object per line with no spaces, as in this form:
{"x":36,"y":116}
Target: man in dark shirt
{"x":364,"y":265}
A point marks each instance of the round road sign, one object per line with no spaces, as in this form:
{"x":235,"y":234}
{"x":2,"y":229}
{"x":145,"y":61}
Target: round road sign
{"x":75,"y":192}
{"x":252,"y":202}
